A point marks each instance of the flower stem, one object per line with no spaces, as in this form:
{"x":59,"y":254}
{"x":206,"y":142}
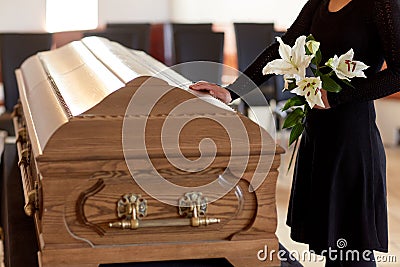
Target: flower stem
{"x":292,"y":157}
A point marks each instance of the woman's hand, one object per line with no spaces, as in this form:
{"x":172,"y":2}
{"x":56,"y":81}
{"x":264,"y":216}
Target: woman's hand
{"x":324,"y":97}
{"x":214,"y":90}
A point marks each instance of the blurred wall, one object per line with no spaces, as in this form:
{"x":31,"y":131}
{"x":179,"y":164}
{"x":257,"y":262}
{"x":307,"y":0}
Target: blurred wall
{"x":29,"y":16}
{"x":125,"y":11}
{"x":22,"y":15}
{"x":281,"y":12}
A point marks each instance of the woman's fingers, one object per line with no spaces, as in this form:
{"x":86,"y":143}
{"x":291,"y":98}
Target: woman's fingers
{"x":222,"y":94}
{"x":203,"y":86}
{"x":213,"y":89}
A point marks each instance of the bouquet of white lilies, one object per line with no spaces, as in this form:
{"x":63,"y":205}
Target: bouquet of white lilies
{"x":292,"y":65}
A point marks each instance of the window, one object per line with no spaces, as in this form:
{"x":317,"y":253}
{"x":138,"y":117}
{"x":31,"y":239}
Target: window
{"x":70,"y":15}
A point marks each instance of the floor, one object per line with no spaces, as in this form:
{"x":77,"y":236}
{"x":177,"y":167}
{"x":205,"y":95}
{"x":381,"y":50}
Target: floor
{"x":393,"y":184}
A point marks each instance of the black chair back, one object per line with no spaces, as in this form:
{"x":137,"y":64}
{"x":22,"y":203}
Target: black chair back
{"x":141,"y":33}
{"x":251,"y":40}
{"x":15,"y":48}
{"x":135,"y":36}
{"x":191,"y":27}
{"x":200,"y":46}
{"x":169,"y":36}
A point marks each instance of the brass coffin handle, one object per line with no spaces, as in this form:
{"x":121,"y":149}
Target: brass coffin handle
{"x":30,"y":184}
{"x":132,"y":208}
{"x":32,"y":205}
{"x":135,"y":224}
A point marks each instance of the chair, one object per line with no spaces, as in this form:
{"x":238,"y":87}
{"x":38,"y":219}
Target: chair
{"x":251,"y":40}
{"x":140,"y":31}
{"x":135,"y":36}
{"x":169,"y":36}
{"x":199,"y":46}
{"x":192,"y":27}
{"x":15,"y":48}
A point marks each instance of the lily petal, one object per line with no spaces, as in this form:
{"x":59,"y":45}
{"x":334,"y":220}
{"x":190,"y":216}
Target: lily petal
{"x":284,"y":49}
{"x":309,"y":87}
{"x":278,"y":66}
{"x":299,"y":50}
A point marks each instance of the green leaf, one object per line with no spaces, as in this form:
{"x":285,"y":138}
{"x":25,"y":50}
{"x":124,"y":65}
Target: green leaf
{"x":308,"y":52}
{"x":292,"y":157}
{"x":310,"y":38}
{"x":292,"y":84}
{"x":329,"y":84}
{"x":293,"y":102}
{"x":295,"y":117}
{"x":314,"y":71}
{"x":296,"y":132}
{"x":318,"y":73}
{"x":317,"y":59}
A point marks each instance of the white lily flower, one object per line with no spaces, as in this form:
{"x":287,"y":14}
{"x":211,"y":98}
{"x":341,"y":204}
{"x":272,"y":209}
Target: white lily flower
{"x":310,"y":88}
{"x":345,"y":67}
{"x":293,"y":62}
{"x":313,"y":46}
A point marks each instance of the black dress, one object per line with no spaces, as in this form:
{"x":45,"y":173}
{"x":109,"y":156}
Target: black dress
{"x":339,"y":183}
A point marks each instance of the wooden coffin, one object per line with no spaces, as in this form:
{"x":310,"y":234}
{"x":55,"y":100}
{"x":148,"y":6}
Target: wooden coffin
{"x":118,"y":164}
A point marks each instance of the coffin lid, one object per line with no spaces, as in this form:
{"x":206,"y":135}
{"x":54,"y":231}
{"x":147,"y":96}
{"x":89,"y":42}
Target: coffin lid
{"x":75,"y":101}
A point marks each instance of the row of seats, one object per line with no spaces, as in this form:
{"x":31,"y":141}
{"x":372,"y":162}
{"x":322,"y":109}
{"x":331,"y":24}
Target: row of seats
{"x":182,"y":43}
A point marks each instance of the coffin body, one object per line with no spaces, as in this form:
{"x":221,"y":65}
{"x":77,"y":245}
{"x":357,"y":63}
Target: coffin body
{"x":102,"y":131}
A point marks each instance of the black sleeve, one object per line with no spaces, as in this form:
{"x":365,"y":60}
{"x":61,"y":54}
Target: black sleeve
{"x":301,"y":26}
{"x":386,"y":82}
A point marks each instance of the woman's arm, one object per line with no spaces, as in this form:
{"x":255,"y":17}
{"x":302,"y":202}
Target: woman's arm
{"x":386,"y":82}
{"x":253,"y":73}
{"x":301,"y":26}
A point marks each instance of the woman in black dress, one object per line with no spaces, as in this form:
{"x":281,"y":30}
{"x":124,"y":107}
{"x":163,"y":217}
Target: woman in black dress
{"x":338,"y":197}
